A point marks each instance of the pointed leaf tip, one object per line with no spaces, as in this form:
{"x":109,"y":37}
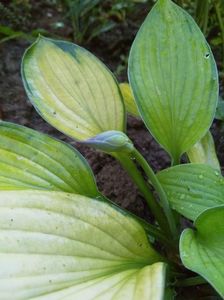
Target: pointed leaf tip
{"x":72,"y":89}
{"x":174,"y":78}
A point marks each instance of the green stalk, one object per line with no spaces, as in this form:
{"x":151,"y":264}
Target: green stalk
{"x":192,"y":281}
{"x":162,"y":195}
{"x":154,"y":232}
{"x":175,"y":161}
{"x":201,"y":14}
{"x":131,"y":168}
{"x":220,"y":21}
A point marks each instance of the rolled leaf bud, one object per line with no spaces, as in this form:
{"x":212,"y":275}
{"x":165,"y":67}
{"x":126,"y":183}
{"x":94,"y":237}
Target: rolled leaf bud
{"x":111,"y":141}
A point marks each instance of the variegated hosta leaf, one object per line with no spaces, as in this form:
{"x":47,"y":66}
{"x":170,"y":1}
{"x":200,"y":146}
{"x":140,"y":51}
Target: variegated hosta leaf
{"x":202,"y":250}
{"x":56,"y":245}
{"x":129,"y":100}
{"x":174,"y":78}
{"x":204,"y":152}
{"x":192,"y":188}
{"x":29,"y":159}
{"x":72,"y":89}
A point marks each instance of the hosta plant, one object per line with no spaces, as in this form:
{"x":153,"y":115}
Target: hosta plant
{"x":60,"y":238}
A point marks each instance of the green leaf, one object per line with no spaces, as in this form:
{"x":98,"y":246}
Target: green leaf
{"x":129,"y":100}
{"x":71,"y":89}
{"x":174,"y":78}
{"x":192,"y":188}
{"x":29,"y":159}
{"x":202,"y":250}
{"x":204,"y":152}
{"x":57,"y":245}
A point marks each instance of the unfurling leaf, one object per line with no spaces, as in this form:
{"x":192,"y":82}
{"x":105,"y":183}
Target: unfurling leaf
{"x":203,"y":152}
{"x":111,"y":141}
{"x":129,"y":100}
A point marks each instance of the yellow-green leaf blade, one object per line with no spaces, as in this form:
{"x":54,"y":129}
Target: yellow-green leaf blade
{"x":202,"y":250}
{"x":203,"y":152}
{"x":129,"y":100}
{"x":174,"y":79}
{"x":192,"y":188}
{"x":29,"y":159}
{"x":55,"y":245}
{"x":146,"y":283}
{"x":72,"y":89}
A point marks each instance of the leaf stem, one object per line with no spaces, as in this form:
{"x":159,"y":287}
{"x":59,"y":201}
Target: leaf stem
{"x":175,"y":161}
{"x":128,"y":164}
{"x":220,"y":21}
{"x":154,"y":232}
{"x":191,"y":281}
{"x":162,"y":195}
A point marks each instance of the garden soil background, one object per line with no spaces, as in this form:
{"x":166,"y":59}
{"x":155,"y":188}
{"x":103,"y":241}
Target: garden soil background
{"x":112,"y":180}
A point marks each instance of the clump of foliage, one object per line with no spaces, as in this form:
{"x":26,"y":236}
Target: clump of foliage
{"x":90,"y":19}
{"x":60,"y":237}
{"x":15,"y":21}
{"x":209,"y":15}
